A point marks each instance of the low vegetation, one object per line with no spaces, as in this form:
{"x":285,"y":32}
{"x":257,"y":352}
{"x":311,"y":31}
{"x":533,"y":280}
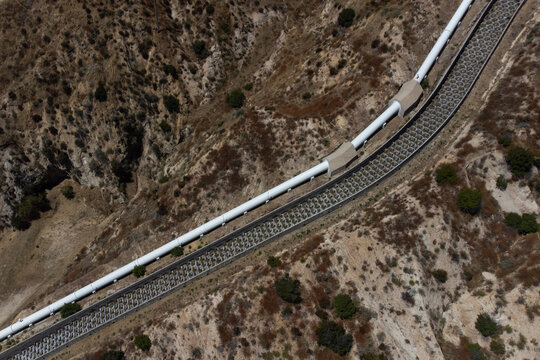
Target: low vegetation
{"x":446,"y":174}
{"x":346,"y":17}
{"x":520,"y":161}
{"x":236,"y":99}
{"x":497,"y":347}
{"x":113,"y":355}
{"x":142,"y":342}
{"x":333,"y":336}
{"x":177,"y":251}
{"x":139,"y":271}
{"x":200,"y":49}
{"x":485,"y":325}
{"x":440,"y":275}
{"x":68,"y":192}
{"x":101,"y":93}
{"x":524,"y":224}
{"x":475,"y":352}
{"x":273,"y":261}
{"x":470,"y":200}
{"x":288,"y":289}
{"x":171,"y":104}
{"x":29,"y":209}
{"x":344,"y":306}
{"x":69,"y":309}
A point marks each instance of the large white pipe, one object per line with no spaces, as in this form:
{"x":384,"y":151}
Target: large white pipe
{"x":317,"y":170}
{"x":443,"y":40}
{"x":379,"y":122}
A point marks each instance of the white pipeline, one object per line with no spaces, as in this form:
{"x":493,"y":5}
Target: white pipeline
{"x":308,"y":175}
{"x":443,"y":40}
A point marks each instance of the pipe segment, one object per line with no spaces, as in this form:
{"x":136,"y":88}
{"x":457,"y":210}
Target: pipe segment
{"x":263,"y":198}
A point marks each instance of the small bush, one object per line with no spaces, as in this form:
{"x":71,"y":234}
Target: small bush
{"x":440,"y":275}
{"x":344,"y":306}
{"x":199,"y":47}
{"x":306,"y":96}
{"x":170,"y":70}
{"x":113,"y":355}
{"x":28,"y":210}
{"x":143,"y":342}
{"x":469,"y":200}
{"x":165,"y":127}
{"x":236,"y":99}
{"x":497,"y":347}
{"x":501,"y":183}
{"x":171,"y":104}
{"x":475,"y":352}
{"x":192,"y":69}
{"x":101,"y":93}
{"x":512,"y":219}
{"x":333,"y":336}
{"x":520,"y":161}
{"x":288,"y":289}
{"x":425,"y":83}
{"x":69,"y":309}
{"x":139,"y":271}
{"x":209,"y":9}
{"x":505,"y":140}
{"x":346,"y":17}
{"x":273,"y":261}
{"x":177,"y":251}
{"x":68,"y":192}
{"x":525,"y":224}
{"x":485,"y":324}
{"x":248,"y":87}
{"x":446,"y":174}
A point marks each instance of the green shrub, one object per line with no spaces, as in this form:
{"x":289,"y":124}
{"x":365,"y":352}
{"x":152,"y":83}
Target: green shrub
{"x":28,"y":210}
{"x":425,"y":83}
{"x":101,"y":93}
{"x":497,"y":347}
{"x":520,"y":161}
{"x":68,"y":192}
{"x":525,"y":224}
{"x":171,"y":104}
{"x":505,"y":140}
{"x":177,"y":251}
{"x":69,"y":309}
{"x":273,"y":261}
{"x":170,"y":70}
{"x":192,"y":69}
{"x":512,"y":219}
{"x":469,"y":200}
{"x":475,"y":352}
{"x":306,"y":96}
{"x":346,"y":17}
{"x":236,"y":99}
{"x":139,"y":271}
{"x":344,"y":306}
{"x":528,"y":224}
{"x":248,"y":87}
{"x":209,"y":9}
{"x":288,"y":289}
{"x":199,"y":47}
{"x":165,"y":127}
{"x":485,"y":324}
{"x":440,"y":275}
{"x":143,"y":342}
{"x":113,"y":355}
{"x":446,"y":174}
{"x":502,"y":183}
{"x":333,"y":336}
